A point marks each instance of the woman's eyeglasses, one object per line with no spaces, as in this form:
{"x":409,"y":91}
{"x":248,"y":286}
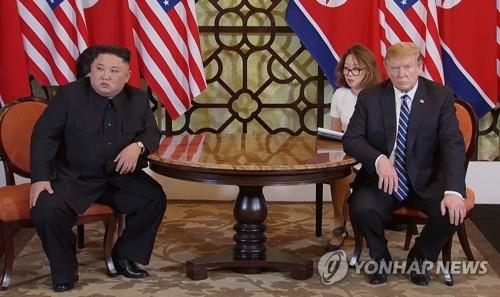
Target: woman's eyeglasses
{"x":352,"y":71}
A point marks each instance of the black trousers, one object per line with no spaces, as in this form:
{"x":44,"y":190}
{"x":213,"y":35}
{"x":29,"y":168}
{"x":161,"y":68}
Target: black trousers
{"x":138,"y":196}
{"x":371,"y":207}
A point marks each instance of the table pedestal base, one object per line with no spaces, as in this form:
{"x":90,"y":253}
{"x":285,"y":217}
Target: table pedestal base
{"x":249,"y":254}
{"x":299,"y":268}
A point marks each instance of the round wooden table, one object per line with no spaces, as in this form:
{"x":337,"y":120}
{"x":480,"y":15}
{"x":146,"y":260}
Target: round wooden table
{"x":250,"y":161}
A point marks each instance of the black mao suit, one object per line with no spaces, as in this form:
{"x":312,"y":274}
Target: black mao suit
{"x":73,"y":146}
{"x":435,"y":161}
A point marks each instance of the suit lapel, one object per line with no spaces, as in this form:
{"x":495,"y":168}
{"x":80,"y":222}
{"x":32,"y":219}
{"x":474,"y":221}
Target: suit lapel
{"x":389,"y":116}
{"x":418,"y":110}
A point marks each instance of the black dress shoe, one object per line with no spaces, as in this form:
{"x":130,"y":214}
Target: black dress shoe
{"x":383,"y":264}
{"x":128,"y":268}
{"x":378,"y":277}
{"x":65,"y":286}
{"x":417,"y":268}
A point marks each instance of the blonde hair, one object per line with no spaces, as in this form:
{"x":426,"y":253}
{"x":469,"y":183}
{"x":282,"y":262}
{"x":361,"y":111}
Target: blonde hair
{"x":364,"y":57}
{"x":401,"y":50}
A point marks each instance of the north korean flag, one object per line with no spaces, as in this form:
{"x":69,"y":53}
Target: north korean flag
{"x":14,"y":74}
{"x":327,"y":28}
{"x":109,"y":22}
{"x":468,"y":39}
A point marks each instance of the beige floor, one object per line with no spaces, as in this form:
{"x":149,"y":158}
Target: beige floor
{"x":193,"y":228}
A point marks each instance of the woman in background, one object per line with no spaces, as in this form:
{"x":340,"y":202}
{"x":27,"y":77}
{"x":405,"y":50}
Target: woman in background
{"x":83,"y":62}
{"x":356,"y":70}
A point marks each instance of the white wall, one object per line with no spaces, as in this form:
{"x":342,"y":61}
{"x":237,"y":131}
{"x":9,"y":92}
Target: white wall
{"x":178,"y":189}
{"x":482,"y":177}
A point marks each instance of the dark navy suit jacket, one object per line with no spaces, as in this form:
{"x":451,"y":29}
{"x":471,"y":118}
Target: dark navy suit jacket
{"x":435,"y":146}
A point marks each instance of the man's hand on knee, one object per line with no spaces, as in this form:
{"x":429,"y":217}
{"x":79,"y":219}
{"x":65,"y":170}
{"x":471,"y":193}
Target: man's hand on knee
{"x":456,"y":208}
{"x":126,"y":161}
{"x":37,"y":188}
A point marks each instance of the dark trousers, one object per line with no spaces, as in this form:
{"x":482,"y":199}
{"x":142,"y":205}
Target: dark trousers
{"x":371,"y":207}
{"x":138,"y":196}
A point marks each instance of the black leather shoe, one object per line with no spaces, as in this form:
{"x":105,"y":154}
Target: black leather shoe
{"x":418,"y":271}
{"x":128,"y":268}
{"x":380,"y":276}
{"x":66,"y":286}
{"x":63,"y":287}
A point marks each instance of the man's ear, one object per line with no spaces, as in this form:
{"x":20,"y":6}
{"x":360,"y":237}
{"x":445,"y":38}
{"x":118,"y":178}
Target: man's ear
{"x":129,"y":74}
{"x":420,"y":65}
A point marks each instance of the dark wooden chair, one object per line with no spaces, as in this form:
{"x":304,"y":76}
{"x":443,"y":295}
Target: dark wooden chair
{"x":468,"y":126}
{"x":16,"y":124}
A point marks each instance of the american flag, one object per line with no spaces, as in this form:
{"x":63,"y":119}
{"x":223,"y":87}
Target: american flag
{"x":167,"y":40}
{"x":415,"y":21}
{"x":54,"y":33}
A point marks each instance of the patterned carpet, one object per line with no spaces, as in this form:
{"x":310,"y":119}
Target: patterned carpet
{"x":192,"y":229}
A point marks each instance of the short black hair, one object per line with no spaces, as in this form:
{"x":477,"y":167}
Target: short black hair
{"x":116,"y":50}
{"x":88,"y":55}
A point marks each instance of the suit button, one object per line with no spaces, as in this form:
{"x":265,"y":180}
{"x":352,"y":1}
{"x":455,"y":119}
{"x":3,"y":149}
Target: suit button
{"x":109,"y":143}
{"x":108,"y":124}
